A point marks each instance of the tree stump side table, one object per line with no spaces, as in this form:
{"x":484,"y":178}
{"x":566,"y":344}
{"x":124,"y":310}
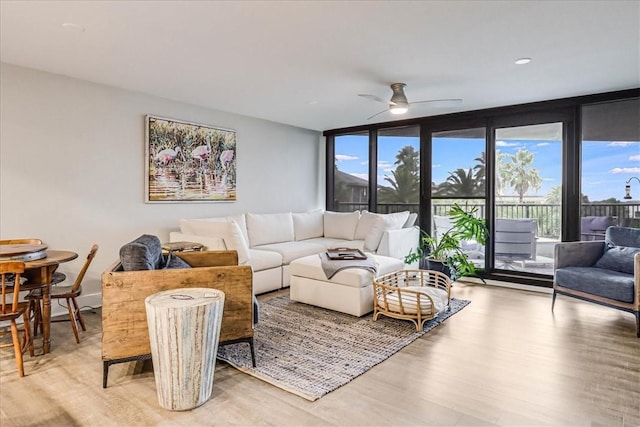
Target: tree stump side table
{"x":184,"y":327}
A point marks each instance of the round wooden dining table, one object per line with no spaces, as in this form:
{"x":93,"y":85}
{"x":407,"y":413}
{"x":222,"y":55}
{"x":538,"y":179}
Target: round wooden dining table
{"x":41,"y":271}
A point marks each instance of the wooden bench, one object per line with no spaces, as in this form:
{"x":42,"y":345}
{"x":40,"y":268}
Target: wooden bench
{"x":125,"y":336}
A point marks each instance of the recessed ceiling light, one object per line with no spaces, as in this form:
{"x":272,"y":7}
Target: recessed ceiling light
{"x":70,"y":26}
{"x":522,"y":61}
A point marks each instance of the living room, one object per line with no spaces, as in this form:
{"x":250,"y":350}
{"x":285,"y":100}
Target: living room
{"x":72,"y":153}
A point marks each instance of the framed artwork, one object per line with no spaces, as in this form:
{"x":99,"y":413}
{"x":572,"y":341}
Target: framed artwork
{"x":189,"y":162}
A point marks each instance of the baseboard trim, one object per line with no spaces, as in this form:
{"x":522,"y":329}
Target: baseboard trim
{"x":511,"y":285}
{"x":86,"y":302}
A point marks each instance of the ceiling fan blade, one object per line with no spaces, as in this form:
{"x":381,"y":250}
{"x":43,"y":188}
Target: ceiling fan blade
{"x":377,"y":114}
{"x":374,"y":98}
{"x":441,"y":103}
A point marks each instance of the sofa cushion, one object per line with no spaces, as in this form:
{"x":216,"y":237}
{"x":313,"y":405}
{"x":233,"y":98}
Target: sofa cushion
{"x":293,"y":250}
{"x":337,"y":243}
{"x":143,"y":253}
{"x":622,"y":236}
{"x":228,"y":230}
{"x":410,"y":301}
{"x":365,"y":224}
{"x":597,"y":281}
{"x":394,"y":221}
{"x":308,"y":225}
{"x":264,"y":260}
{"x":341,"y":225}
{"x":618,"y":258}
{"x":264,"y":229}
{"x":411,"y":220}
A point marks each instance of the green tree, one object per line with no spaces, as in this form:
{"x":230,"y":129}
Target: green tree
{"x":461,"y":183}
{"x":404,"y":180}
{"x":518,"y":173}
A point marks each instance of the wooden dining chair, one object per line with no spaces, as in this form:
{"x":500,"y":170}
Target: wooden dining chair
{"x":57,"y":276}
{"x":11,"y":271}
{"x":69,"y":293}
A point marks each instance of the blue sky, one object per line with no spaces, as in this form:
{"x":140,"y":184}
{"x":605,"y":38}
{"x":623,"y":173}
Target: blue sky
{"x":606,"y":165}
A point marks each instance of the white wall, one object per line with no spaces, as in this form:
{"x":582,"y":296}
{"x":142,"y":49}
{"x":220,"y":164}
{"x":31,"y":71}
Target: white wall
{"x":72,"y":166}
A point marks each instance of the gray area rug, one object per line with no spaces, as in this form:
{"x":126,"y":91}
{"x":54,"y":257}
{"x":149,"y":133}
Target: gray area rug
{"x":310,"y":351}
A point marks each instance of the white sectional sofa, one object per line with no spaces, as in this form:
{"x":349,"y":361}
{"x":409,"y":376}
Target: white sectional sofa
{"x":269,"y":242}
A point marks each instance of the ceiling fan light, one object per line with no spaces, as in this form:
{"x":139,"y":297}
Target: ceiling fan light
{"x":398,"y":109}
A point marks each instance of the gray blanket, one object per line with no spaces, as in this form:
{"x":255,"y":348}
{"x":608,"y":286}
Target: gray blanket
{"x":331,"y":267}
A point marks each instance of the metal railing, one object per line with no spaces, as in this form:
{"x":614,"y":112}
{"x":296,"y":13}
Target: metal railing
{"x":548,"y":216}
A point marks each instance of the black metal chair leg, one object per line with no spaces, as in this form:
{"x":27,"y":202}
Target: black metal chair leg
{"x":553,"y":301}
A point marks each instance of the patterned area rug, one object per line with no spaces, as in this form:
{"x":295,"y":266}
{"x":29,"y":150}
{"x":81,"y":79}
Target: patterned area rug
{"x":310,"y":351}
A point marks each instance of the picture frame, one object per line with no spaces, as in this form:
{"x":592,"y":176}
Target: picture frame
{"x":188,"y":162}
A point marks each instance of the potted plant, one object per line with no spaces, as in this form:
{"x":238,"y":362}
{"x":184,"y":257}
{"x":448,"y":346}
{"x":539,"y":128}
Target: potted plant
{"x":446,"y":253}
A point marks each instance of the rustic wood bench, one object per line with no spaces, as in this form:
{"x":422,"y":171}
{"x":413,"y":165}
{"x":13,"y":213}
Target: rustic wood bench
{"x":125,"y":336}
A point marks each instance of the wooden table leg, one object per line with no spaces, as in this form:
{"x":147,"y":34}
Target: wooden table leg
{"x":46,"y":309}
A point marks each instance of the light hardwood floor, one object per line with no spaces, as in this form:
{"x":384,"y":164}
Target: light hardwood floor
{"x":503,"y":360}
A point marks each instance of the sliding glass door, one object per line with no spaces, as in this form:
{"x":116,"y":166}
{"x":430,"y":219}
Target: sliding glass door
{"x":528,"y":196}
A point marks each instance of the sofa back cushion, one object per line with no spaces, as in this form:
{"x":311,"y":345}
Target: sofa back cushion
{"x":622,"y":236}
{"x":308,"y":225}
{"x":621,"y":245}
{"x":143,"y":253}
{"x":264,"y":229}
{"x":365,"y":224}
{"x":382,"y":223}
{"x":341,"y":225}
{"x":229,"y":231}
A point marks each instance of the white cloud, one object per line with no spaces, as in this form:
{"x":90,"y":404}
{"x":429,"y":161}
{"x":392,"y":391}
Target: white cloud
{"x":388,"y":169}
{"x":436,"y":165}
{"x":543,"y":144}
{"x":625,"y":170}
{"x":341,"y":157}
{"x":365,"y":163}
{"x":635,"y":158}
{"x":506,"y":144}
{"x":548,"y":179}
{"x":622,"y":143}
{"x":384,"y":164}
{"x":594,"y":183}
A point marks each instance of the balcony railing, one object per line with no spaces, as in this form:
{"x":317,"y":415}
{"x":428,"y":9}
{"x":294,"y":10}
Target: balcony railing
{"x":548,"y":215}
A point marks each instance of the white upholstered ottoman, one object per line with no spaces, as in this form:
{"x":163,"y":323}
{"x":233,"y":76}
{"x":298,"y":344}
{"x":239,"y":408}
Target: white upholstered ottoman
{"x":349,"y":291}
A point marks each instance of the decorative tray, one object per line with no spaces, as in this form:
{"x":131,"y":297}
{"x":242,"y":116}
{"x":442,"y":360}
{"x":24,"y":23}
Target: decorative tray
{"x":345,"y":253}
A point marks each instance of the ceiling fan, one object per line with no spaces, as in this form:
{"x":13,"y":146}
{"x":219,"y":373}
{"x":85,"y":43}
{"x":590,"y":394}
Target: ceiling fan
{"x":400,"y":105}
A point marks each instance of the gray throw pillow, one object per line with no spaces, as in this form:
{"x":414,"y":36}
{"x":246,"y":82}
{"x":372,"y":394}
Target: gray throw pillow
{"x":618,"y":258}
{"x":144,"y":253}
{"x":175,"y":262}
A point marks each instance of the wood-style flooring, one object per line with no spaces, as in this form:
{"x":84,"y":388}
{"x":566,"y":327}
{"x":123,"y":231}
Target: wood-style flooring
{"x":503,"y":360}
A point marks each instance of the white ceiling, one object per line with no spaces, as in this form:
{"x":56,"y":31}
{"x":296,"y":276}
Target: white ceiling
{"x":303,"y":63}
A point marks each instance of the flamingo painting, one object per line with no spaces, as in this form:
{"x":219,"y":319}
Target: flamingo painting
{"x":189,"y":162}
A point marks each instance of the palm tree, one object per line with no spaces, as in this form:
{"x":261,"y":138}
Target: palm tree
{"x":404,"y":180}
{"x":461,"y":183}
{"x":519,"y":174}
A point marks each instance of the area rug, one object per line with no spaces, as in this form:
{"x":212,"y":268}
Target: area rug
{"x":310,"y":351}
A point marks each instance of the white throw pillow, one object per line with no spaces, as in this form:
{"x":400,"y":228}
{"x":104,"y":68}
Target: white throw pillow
{"x":308,"y":225}
{"x":264,"y":229}
{"x":365,"y":224}
{"x":341,"y":225}
{"x":393,"y":221}
{"x":411,"y":220}
{"x":227,"y":230}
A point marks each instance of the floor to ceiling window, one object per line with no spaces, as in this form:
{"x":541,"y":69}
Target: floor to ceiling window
{"x":458,"y":174}
{"x":398,"y":169}
{"x":528,"y":196}
{"x":528,"y":169}
{"x":610,"y":164}
{"x":351,"y":172}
